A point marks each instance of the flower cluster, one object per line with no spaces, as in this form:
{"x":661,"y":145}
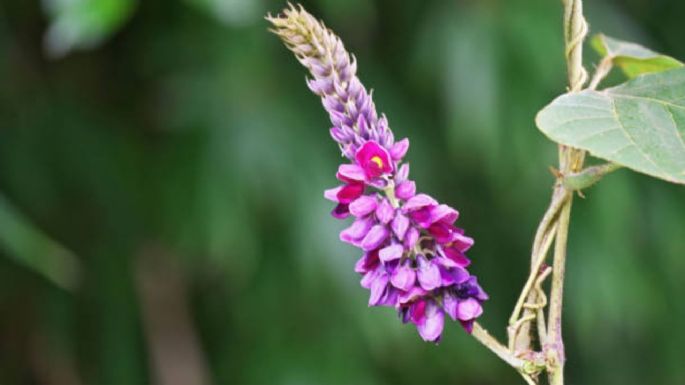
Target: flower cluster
{"x":413,"y":256}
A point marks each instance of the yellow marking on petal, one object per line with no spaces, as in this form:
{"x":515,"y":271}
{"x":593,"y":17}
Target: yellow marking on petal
{"x":377,"y":159}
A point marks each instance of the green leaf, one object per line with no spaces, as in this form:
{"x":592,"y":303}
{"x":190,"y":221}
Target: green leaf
{"x":632,"y":58}
{"x":639,"y":124}
{"x":83,"y":24}
{"x":30,"y":247}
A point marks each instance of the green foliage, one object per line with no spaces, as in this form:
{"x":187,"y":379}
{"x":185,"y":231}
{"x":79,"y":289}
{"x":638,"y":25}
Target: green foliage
{"x":83,"y":24}
{"x":31,"y":248}
{"x":632,"y":58}
{"x":639,"y":124}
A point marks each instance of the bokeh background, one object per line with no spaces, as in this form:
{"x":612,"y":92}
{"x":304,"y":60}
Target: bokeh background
{"x":161,"y":214}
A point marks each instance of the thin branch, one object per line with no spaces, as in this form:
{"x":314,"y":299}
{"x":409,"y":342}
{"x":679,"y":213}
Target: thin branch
{"x":496,"y":347}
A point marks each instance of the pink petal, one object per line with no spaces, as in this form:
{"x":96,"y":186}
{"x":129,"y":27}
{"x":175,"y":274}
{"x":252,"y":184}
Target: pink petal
{"x":406,"y":189}
{"x":417,"y":202}
{"x":350,"y":172}
{"x":385,"y":212}
{"x":400,"y":225}
{"x":363,"y":205}
{"x":469,"y":309}
{"x":375,"y":237}
{"x":399,"y":149}
{"x":391,"y":253}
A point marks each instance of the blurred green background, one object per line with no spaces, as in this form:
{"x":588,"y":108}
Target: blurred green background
{"x":161,"y":214}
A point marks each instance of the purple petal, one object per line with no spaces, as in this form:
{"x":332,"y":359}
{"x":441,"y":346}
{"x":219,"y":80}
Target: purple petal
{"x":467,"y":325}
{"x":404,"y":277}
{"x":375,"y":237}
{"x":469,"y":309}
{"x":449,"y":304}
{"x":351,"y":172}
{"x":363,"y":205}
{"x":338,"y":135}
{"x":444,"y":213}
{"x":369,"y":261}
{"x":411,"y":237}
{"x":377,"y":289}
{"x":350,"y":192}
{"x":428,"y":274}
{"x":390,"y":296}
{"x":417,"y":202}
{"x":358,"y":230}
{"x":370,"y":277}
{"x":411,"y":295}
{"x":341,"y":211}
{"x":461,"y":242}
{"x":385,"y":212}
{"x":452,"y":276}
{"x":402,"y":173}
{"x":455,"y":256}
{"x":391,"y":253}
{"x":406,"y":189}
{"x":332,"y":193}
{"x":431,"y":328}
{"x":399,"y":149}
{"x":400,"y":225}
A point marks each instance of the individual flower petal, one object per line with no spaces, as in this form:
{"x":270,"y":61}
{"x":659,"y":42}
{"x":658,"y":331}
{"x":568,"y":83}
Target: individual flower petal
{"x":431,"y":329}
{"x":417,"y":202}
{"x":350,"y":192}
{"x":391,"y":253}
{"x":467,"y":325}
{"x":417,"y":311}
{"x":385,"y":212}
{"x":370,"y":277}
{"x":461,"y":242}
{"x":422,"y":217}
{"x":453,"y":275}
{"x":450,"y":303}
{"x":444,"y":214}
{"x":369,"y":261}
{"x":351,"y":173}
{"x":332,"y":193}
{"x":375,"y":237}
{"x":469,"y":309}
{"x":389,"y":297}
{"x":409,"y":296}
{"x":410,"y":238}
{"x":455,"y":255}
{"x":374,"y":159}
{"x":399,"y":225}
{"x":378,"y":287}
{"x":363,"y":205}
{"x":441,"y":232}
{"x":357,"y":231}
{"x":406,"y":189}
{"x":402,"y":174}
{"x":399,"y":149}
{"x":403,"y":277}
{"x":428,"y":273}
{"x":341,"y":211}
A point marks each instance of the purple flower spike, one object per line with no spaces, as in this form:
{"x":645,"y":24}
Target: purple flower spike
{"x":414,"y":257}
